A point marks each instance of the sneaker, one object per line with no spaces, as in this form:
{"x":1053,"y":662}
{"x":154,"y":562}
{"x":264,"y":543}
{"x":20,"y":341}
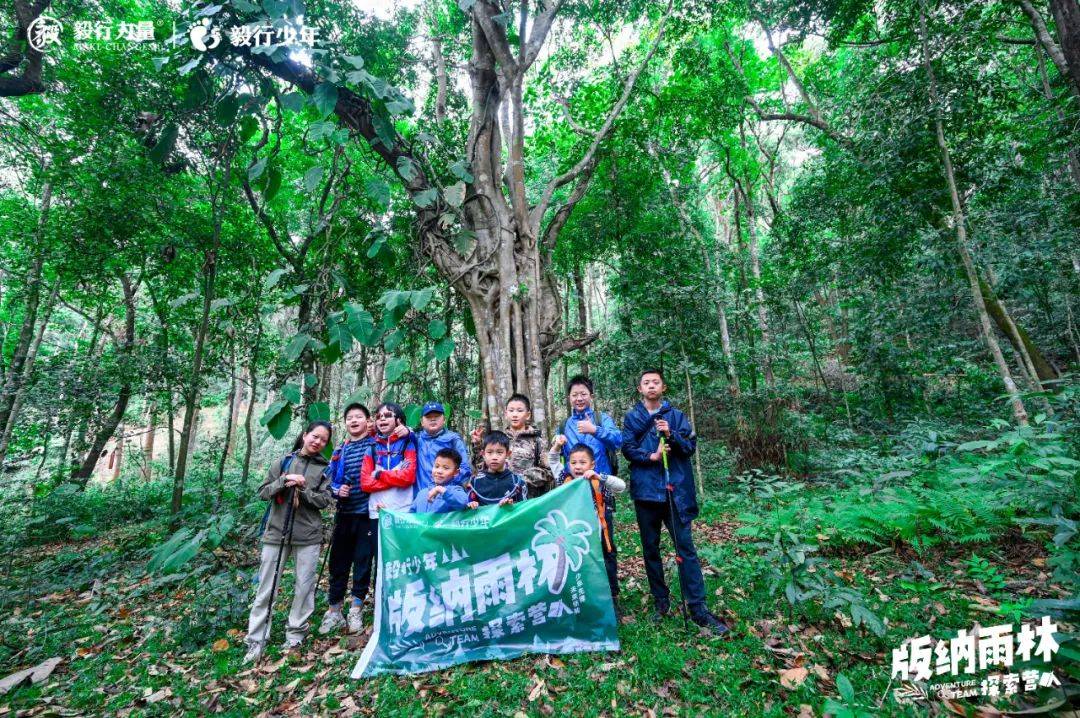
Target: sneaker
{"x":254,"y":652}
{"x":290,"y":645}
{"x":356,"y":622}
{"x":707,"y":619}
{"x":331,"y":621}
{"x":661,"y":609}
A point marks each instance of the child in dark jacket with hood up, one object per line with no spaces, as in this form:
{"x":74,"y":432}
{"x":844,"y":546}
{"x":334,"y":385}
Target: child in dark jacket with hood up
{"x":496,"y":484}
{"x":664,"y":494}
{"x":447,"y":491}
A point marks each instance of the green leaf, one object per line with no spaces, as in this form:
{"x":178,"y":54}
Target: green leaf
{"x":320,"y":130}
{"x":166,"y":142}
{"x":436,"y":329}
{"x":248,"y":127}
{"x":400,"y":106}
{"x":273,"y":278}
{"x":313,"y":177}
{"x":455,"y":194}
{"x":167,"y":549}
{"x":974,"y":445}
{"x":319,"y":411}
{"x":425,"y":198}
{"x":325,"y":97}
{"x":444,"y":348}
{"x":847,"y":691}
{"x":256,"y":170}
{"x":376,"y":246}
{"x":422,"y":298}
{"x":225,"y":112}
{"x":278,"y":423}
{"x":379,"y":191}
{"x":384,"y":130}
{"x":406,"y":168}
{"x":291,"y":392}
{"x":293,"y":101}
{"x":244,"y":5}
{"x":460,"y":169}
{"x":412,"y":414}
{"x":296,"y":347}
{"x":274,"y":8}
{"x":395,"y":369}
{"x":197,"y":91}
{"x":183,"y":299}
{"x":393,"y":340}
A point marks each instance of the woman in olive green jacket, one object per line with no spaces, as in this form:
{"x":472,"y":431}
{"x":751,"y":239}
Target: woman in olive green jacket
{"x":298,"y":490}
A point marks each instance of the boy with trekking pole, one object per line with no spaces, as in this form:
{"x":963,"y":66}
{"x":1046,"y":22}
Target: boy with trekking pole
{"x":658,"y":441}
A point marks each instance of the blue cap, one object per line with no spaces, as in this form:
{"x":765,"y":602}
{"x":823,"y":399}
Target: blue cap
{"x":432,"y":407}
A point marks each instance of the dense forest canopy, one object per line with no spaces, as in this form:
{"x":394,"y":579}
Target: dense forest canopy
{"x":830,"y":223}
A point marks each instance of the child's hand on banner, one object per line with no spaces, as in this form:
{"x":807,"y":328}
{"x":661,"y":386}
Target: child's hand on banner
{"x":473,"y":504}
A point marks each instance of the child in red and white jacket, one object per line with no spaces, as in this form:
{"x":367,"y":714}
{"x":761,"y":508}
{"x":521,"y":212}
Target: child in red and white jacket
{"x":388,"y":473}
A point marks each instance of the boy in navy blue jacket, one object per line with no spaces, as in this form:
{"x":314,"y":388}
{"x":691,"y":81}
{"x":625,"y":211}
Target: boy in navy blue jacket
{"x":353,"y":545}
{"x":644,"y":425}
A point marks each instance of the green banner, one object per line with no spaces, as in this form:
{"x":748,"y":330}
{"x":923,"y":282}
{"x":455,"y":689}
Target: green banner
{"x":490,"y":584}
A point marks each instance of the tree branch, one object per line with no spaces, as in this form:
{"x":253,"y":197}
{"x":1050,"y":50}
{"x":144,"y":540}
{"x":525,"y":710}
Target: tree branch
{"x":1052,"y":50}
{"x":587,"y":161}
{"x":29,"y":82}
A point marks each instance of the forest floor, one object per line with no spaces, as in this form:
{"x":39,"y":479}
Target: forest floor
{"x":133,"y":643}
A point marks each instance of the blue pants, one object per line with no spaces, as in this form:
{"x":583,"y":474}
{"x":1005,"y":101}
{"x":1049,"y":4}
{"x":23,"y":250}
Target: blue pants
{"x":651,"y":515}
{"x":355,"y":547}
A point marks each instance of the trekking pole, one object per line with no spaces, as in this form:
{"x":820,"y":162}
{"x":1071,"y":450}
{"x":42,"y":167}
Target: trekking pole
{"x":326,"y":556}
{"x":286,"y":535}
{"x":674,"y":531}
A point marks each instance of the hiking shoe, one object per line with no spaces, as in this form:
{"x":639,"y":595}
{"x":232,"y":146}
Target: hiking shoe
{"x":331,"y":621}
{"x":290,"y":645}
{"x":661,"y":609}
{"x":707,"y":619}
{"x":356,"y":622}
{"x":254,"y":652}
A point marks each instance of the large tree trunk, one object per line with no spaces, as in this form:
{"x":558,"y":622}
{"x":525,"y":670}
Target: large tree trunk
{"x":108,"y":427}
{"x":960,"y":225}
{"x":1067,"y":19}
{"x":506,"y":275}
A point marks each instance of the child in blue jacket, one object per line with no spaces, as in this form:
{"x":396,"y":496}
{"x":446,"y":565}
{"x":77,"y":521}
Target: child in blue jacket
{"x":669,"y":500}
{"x":352,"y":546}
{"x":447,"y":492}
{"x":587,"y":426}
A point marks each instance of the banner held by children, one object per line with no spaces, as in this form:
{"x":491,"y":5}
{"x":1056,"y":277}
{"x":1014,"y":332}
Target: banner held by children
{"x":490,"y":584}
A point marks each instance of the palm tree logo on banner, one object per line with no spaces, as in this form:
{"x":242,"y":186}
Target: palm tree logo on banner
{"x":562,"y":542}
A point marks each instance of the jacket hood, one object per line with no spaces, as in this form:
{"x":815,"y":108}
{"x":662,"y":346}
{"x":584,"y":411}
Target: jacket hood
{"x":316,"y":459}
